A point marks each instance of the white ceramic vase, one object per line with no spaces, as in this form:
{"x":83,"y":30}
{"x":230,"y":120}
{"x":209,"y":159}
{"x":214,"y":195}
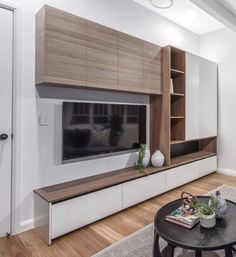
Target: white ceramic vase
{"x":146,"y":159}
{"x":158,"y":159}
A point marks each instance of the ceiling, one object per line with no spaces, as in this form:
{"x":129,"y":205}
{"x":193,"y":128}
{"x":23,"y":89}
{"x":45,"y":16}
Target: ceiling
{"x":188,"y":15}
{"x":229,"y":4}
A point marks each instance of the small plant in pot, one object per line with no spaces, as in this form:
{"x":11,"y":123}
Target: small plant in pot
{"x":207,"y":212}
{"x":143,"y":158}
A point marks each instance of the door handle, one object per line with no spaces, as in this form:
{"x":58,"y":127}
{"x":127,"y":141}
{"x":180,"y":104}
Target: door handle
{"x":3,"y":137}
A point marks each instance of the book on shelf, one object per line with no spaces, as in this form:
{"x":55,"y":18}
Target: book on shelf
{"x":183,"y":219}
{"x":171,"y":86}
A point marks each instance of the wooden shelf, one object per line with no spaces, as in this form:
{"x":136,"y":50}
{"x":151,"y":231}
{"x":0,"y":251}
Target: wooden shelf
{"x":176,"y":73}
{"x":75,"y":188}
{"x":173,"y":142}
{"x":177,"y":117}
{"x":183,"y":159}
{"x":177,"y":94}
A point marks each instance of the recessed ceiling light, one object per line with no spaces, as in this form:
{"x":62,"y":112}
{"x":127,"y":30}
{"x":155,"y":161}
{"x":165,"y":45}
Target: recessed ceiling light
{"x":162,"y":4}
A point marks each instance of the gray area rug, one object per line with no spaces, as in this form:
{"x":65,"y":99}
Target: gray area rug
{"x":139,"y":244}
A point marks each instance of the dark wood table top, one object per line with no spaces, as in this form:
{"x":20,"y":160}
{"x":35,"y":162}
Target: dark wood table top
{"x":199,"y":239}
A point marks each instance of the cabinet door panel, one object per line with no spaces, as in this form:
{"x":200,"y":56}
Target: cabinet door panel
{"x":130,"y":63}
{"x":78,"y":212}
{"x":208,"y":98}
{"x":180,"y":175}
{"x":142,"y":189}
{"x":201,"y":97}
{"x":102,"y":56}
{"x":152,"y":68}
{"x":65,"y":48}
{"x":192,"y":97}
{"x":207,"y":166}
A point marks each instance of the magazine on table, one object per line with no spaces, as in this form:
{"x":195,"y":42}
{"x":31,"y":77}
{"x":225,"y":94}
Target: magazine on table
{"x":182,"y":218}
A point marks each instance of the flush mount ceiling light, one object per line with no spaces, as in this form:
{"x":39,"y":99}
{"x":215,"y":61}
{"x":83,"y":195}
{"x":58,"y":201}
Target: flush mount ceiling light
{"x":162,"y":4}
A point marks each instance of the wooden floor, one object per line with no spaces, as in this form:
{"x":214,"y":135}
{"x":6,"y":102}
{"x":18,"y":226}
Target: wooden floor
{"x":93,"y":238}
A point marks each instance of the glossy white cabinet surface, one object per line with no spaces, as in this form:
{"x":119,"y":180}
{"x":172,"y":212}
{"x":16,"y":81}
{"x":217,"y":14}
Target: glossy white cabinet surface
{"x":72,"y":214}
{"x":180,"y":175}
{"x":192,"y":97}
{"x":206,"y":166}
{"x":208,"y":98}
{"x":142,"y":189}
{"x":201,"y":97}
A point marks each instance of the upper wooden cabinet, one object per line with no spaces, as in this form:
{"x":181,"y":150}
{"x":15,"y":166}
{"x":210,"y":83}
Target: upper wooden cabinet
{"x":102,"y":56}
{"x":60,"y":48}
{"x":130,"y":63}
{"x":76,"y":52}
{"x":152,"y":64}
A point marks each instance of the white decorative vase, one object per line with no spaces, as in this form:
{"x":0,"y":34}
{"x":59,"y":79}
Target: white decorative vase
{"x":158,"y":159}
{"x":208,"y":221}
{"x":146,"y":159}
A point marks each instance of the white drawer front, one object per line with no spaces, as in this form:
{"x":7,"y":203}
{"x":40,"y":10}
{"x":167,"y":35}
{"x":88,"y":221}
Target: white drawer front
{"x":77,"y":212}
{"x":180,"y":175}
{"x":144,"y":188}
{"x":207,"y":166}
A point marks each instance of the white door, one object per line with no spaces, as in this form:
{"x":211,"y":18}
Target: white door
{"x":6,"y":55}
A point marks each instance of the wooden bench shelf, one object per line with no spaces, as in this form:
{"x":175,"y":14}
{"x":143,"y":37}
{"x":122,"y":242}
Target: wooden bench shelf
{"x":68,"y":190}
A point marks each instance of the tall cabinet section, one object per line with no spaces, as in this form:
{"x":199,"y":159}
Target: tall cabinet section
{"x":201,"y":97}
{"x":190,"y":103}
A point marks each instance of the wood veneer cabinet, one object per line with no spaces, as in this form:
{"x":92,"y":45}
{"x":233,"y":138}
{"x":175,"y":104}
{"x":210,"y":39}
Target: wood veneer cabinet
{"x":60,"y":48}
{"x":102,"y":56}
{"x":73,"y":51}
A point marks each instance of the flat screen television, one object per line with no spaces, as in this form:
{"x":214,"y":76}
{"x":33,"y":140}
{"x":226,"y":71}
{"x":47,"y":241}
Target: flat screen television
{"x":96,"y":129}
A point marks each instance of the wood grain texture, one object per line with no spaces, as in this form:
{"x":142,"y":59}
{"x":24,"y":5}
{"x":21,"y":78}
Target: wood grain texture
{"x":178,"y":103}
{"x":130,"y":63}
{"x":160,"y":114}
{"x":152,"y":65}
{"x":93,"y":238}
{"x":102,"y":56}
{"x":208,"y":144}
{"x":64,"y":48}
{"x":75,"y":188}
{"x":74,"y":51}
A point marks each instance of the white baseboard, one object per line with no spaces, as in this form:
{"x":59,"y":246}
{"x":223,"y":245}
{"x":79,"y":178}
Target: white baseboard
{"x":227,"y":172}
{"x":25,"y":225}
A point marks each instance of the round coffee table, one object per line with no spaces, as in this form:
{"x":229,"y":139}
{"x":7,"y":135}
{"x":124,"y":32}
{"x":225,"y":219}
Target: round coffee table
{"x":198,"y":239}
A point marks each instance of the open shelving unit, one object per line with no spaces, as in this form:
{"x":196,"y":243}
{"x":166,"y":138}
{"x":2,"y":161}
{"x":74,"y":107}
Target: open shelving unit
{"x":177,"y":149}
{"x":177,"y":96}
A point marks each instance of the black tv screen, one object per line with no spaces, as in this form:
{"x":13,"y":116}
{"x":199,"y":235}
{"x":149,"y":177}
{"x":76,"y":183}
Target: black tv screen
{"x":93,"y":129}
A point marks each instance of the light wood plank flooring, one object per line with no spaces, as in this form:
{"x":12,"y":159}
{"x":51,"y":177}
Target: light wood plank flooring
{"x":89,"y":240}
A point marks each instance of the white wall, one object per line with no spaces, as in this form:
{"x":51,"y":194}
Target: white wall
{"x":36,"y":169}
{"x":220,"y":46}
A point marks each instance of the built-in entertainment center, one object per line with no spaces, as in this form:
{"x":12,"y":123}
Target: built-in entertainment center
{"x":74,"y":52}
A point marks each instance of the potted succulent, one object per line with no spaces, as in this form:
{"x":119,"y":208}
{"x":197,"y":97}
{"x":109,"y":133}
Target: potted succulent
{"x":207,"y":212}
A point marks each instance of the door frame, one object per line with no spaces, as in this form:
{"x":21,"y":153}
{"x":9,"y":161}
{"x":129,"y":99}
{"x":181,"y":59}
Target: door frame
{"x":16,"y":112}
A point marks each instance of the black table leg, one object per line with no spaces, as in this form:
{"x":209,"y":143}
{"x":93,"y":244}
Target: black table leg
{"x":198,"y":254}
{"x":156,"y":248}
{"x":228,"y":252}
{"x":170,"y":250}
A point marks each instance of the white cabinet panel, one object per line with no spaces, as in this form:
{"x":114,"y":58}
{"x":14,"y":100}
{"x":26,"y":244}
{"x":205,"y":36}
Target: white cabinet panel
{"x":180,"y":175}
{"x":208,"y":98}
{"x":201,"y":97}
{"x":144,"y":188}
{"x":206,"y":166}
{"x":77,"y":212}
{"x":192,"y":97}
